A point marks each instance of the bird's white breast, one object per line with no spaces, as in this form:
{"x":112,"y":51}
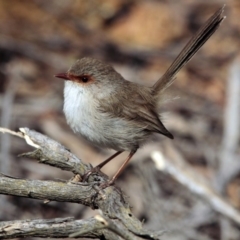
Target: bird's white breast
{"x":80,"y":109}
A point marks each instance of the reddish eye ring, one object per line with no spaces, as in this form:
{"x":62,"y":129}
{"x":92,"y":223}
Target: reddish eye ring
{"x":84,"y":79}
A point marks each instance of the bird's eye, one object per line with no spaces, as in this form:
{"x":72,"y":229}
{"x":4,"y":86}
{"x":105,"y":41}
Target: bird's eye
{"x":84,"y":79}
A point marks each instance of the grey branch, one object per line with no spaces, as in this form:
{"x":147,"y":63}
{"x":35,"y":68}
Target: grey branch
{"x":59,"y":227}
{"x":229,"y":165}
{"x":111,"y":201}
{"x":171,"y":162}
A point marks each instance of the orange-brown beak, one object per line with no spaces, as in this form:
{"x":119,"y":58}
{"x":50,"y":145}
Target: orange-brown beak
{"x":62,"y":75}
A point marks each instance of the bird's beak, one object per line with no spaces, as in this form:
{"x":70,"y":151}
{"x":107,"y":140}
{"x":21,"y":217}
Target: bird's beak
{"x":62,"y":75}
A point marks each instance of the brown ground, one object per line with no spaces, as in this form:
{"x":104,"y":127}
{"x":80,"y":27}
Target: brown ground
{"x":140,"y":39}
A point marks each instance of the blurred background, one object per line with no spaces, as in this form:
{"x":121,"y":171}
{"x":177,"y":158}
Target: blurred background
{"x":140,"y":38}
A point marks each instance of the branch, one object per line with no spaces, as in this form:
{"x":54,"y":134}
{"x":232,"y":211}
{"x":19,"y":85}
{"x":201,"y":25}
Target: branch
{"x":229,"y":165}
{"x":111,"y":201}
{"x":172,"y":163}
{"x":51,"y":190}
{"x":55,"y":228}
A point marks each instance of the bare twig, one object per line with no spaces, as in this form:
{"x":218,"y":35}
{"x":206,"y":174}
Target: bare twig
{"x":6,"y":130}
{"x":55,"y":228}
{"x":108,"y":224}
{"x":229,"y":166}
{"x":172,"y":163}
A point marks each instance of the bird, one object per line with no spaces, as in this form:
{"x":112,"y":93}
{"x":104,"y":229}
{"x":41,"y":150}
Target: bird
{"x":112,"y":112}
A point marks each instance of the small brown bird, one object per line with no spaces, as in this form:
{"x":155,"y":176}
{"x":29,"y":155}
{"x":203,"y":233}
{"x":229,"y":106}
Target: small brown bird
{"x":112,"y":112}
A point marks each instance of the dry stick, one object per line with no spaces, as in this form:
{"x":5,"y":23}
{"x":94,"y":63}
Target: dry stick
{"x":229,"y":165}
{"x":5,"y":130}
{"x":54,"y":228}
{"x":171,"y":162}
{"x":110,"y":201}
{"x":106,"y":223}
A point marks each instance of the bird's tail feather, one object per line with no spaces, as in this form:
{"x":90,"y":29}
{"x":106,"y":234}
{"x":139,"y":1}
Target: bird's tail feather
{"x":195,"y":43}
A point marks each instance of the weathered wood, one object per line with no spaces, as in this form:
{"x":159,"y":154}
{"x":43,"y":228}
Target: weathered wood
{"x":111,"y":201}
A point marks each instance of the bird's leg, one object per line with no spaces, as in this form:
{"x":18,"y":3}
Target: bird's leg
{"x":99,"y":166}
{"x":116,"y":175}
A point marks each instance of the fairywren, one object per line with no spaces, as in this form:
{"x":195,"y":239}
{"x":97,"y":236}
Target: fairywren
{"x":112,"y":112}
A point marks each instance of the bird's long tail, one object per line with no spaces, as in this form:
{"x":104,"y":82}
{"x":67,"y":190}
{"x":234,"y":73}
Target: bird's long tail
{"x":195,"y":43}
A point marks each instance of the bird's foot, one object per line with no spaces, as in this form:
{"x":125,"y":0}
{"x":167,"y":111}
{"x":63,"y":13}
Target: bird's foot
{"x":96,"y":170}
{"x":99,"y":166}
{"x":107,"y":184}
{"x":89,"y":173}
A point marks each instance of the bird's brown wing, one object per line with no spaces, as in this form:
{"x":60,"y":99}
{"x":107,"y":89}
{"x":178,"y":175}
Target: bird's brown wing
{"x":148,"y":118}
{"x":134,"y":103}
